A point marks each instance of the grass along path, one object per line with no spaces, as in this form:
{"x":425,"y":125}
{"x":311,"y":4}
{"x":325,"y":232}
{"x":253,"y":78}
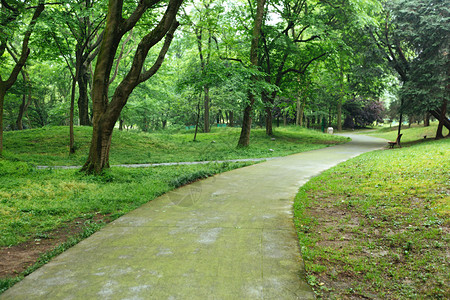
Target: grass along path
{"x":378,"y":225}
{"x":49,"y":145}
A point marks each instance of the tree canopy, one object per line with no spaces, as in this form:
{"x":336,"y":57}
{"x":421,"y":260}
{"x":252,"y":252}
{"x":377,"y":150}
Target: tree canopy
{"x":154,"y":65}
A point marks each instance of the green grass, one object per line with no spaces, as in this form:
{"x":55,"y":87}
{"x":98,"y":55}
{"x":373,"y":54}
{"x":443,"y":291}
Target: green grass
{"x":33,"y":202}
{"x":410,"y":135}
{"x":49,"y":145}
{"x":377,"y":226}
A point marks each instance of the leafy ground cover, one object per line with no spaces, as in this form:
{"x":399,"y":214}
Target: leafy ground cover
{"x":49,"y":145}
{"x":377,"y":226}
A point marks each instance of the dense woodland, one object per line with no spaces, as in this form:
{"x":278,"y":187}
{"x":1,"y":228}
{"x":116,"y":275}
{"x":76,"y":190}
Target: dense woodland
{"x":153,"y":65}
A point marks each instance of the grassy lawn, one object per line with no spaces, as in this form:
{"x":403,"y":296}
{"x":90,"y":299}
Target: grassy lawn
{"x":49,"y":145}
{"x":377,"y":226}
{"x":412,"y":135}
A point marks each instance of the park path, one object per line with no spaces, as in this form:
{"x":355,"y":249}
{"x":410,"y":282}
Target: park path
{"x":230,"y":236}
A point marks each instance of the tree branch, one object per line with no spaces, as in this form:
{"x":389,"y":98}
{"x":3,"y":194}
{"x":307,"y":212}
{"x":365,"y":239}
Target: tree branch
{"x":25,"y":50}
{"x":305,"y":66}
{"x":162,"y":53}
{"x":121,"y":55}
{"x":307,"y":40}
{"x":137,"y":14}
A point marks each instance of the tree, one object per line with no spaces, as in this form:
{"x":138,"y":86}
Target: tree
{"x":363,"y":112}
{"x":413,"y":38}
{"x":9,"y":19}
{"x":424,"y":26}
{"x":244,"y":138}
{"x":106,"y":112}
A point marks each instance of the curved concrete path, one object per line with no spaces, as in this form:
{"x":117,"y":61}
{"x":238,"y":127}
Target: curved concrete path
{"x":227,"y":237}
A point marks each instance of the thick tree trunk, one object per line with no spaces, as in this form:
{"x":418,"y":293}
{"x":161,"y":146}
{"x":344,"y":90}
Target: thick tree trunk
{"x":437,"y":115}
{"x":83,"y":100}
{"x":442,"y":119}
{"x":426,"y":120}
{"x":244,"y":139}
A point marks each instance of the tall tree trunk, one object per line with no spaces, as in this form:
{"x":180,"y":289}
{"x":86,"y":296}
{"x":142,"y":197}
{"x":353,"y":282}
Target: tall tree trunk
{"x":231,"y":118}
{"x":206,"y":127}
{"x":268,"y":100}
{"x":72,"y":108}
{"x":269,"y":127}
{"x":298,"y":109}
{"x":83,"y":98}
{"x":197,"y":121}
{"x":244,"y":139}
{"x":26,"y":101}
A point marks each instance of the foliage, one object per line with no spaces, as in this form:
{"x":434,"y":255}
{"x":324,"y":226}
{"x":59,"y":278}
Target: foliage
{"x":364,"y":112}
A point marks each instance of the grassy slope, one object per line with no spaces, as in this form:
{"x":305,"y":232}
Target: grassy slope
{"x":410,"y":135}
{"x":377,"y":226}
{"x":48,"y":145}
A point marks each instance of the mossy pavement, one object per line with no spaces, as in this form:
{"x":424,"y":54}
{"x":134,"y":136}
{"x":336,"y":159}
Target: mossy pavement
{"x":230,"y":236}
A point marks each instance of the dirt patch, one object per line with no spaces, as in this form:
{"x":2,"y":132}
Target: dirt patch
{"x":16,"y":259}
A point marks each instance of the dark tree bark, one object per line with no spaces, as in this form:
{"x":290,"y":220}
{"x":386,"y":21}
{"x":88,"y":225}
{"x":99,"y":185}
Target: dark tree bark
{"x":269,"y":104}
{"x":244,"y":139}
{"x":442,"y":118}
{"x":105,"y":112}
{"x":83,"y":98}
{"x":231,"y":118}
{"x":426,"y":120}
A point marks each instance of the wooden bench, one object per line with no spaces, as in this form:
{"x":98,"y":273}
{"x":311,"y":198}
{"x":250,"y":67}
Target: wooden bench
{"x":397,"y":142}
